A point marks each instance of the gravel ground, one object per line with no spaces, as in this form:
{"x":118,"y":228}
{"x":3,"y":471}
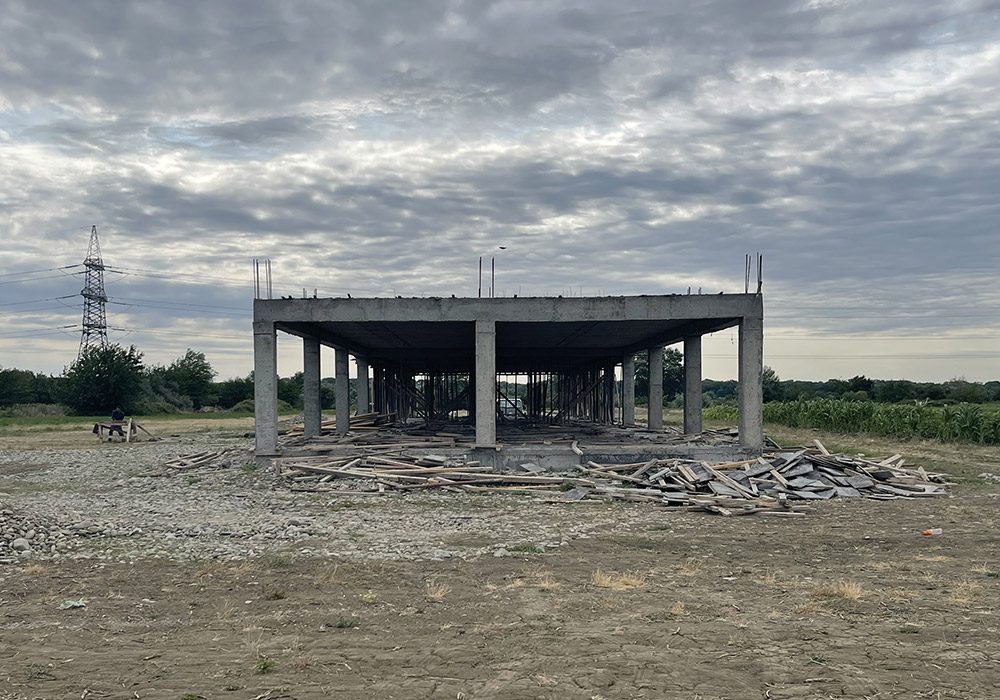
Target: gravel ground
{"x":109,"y":503}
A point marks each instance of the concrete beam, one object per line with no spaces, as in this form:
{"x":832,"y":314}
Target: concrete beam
{"x":628,"y":389}
{"x":265,"y":388}
{"x":751,"y":401}
{"x":342,"y":389}
{"x":522,"y":309}
{"x":363,"y":400}
{"x":312,"y":410}
{"x":656,"y":388}
{"x":486,"y":386}
{"x":692,"y":384}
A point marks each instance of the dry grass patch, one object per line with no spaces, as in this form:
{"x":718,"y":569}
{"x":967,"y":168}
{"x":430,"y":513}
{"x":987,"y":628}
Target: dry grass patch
{"x":436,"y":592}
{"x":301,"y":663}
{"x":37,"y":570}
{"x":810,"y":608}
{"x":227,"y":611}
{"x":966,"y":593}
{"x":768,"y":579}
{"x":692,"y":567}
{"x":618,"y":581}
{"x":848,"y":590}
{"x":898,"y":595}
{"x":252,"y":640}
{"x":677,"y":609}
{"x":935,"y":557}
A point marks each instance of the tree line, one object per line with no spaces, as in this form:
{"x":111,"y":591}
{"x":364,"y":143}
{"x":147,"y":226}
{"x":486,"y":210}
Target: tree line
{"x":113,"y":375}
{"x":858,"y":388}
{"x":104,"y":377}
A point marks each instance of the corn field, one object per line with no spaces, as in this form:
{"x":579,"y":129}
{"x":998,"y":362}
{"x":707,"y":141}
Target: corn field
{"x":963,"y":422}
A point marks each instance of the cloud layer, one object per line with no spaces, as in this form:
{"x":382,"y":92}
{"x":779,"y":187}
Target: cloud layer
{"x":643,"y":147}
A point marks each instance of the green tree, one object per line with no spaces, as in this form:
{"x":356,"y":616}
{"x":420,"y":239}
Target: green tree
{"x":232,"y":391}
{"x":102,"y":378}
{"x":16,"y":386}
{"x":771,"y":385}
{"x":290,"y":389}
{"x":192,"y":377}
{"x":673,"y":374}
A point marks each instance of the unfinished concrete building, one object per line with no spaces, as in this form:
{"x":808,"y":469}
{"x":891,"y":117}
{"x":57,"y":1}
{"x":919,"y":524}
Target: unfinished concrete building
{"x":440,"y":358}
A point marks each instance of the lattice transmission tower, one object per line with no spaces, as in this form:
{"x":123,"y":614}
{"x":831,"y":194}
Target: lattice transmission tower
{"x":95,"y":323}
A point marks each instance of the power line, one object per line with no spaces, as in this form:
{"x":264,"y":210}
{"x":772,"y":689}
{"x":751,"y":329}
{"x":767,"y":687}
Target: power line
{"x":131,"y":301}
{"x":34,"y":272}
{"x":37,"y":301}
{"x":38,"y":279}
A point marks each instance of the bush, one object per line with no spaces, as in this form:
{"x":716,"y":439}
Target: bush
{"x":152,"y":407}
{"x":33,"y":410}
{"x":244,"y":406}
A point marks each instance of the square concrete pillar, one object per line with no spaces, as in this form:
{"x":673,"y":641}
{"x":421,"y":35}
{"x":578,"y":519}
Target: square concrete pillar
{"x":692,"y":384}
{"x":628,"y":390}
{"x":265,"y":387}
{"x":655,"y":356}
{"x":312,"y":411}
{"x":363,"y":402}
{"x":608,"y":414}
{"x":751,"y":406}
{"x":342,"y":390}
{"x":486,"y":385}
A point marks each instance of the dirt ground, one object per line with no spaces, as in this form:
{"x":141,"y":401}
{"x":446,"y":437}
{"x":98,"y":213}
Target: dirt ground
{"x":850,"y":601}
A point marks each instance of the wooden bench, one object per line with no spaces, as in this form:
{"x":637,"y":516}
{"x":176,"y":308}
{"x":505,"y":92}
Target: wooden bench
{"x":103,"y":429}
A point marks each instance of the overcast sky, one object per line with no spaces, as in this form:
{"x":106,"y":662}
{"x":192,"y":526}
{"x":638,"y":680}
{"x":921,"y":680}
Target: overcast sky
{"x":634,"y":147}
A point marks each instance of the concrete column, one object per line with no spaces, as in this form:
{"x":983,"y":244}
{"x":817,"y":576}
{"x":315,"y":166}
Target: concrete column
{"x":692,"y":384}
{"x":486,"y":386}
{"x":363,"y":403}
{"x":265,"y":387}
{"x":608,"y":414}
{"x":751,"y":419}
{"x":656,"y":388}
{"x":342,"y":390}
{"x":312,"y":411}
{"x":429,"y":381}
{"x":628,"y":390}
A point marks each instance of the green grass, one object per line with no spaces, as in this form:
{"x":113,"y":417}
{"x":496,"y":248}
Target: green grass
{"x":526,"y":548}
{"x":265,"y":665}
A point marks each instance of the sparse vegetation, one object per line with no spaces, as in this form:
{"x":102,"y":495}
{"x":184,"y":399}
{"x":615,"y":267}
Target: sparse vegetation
{"x":618,"y":581}
{"x":525,"y":548}
{"x":848,"y":590}
{"x":347,"y":623}
{"x":437,"y":591}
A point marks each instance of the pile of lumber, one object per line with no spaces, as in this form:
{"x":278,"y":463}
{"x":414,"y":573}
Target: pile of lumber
{"x":359,"y":422}
{"x":396,"y":471}
{"x":199,"y":460}
{"x":779,"y":483}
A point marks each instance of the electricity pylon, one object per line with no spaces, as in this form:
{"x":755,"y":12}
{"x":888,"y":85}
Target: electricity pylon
{"x":95,"y":324}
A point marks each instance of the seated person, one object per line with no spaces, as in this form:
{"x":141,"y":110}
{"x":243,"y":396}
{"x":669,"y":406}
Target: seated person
{"x":117,"y":416}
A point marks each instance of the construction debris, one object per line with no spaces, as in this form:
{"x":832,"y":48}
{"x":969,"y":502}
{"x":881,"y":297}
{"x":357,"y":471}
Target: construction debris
{"x":210,"y":460}
{"x":778,"y":483}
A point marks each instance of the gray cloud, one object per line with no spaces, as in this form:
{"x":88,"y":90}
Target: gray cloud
{"x":383,"y":148}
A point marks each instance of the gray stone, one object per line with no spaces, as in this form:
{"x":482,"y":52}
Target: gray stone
{"x":20,"y":545}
